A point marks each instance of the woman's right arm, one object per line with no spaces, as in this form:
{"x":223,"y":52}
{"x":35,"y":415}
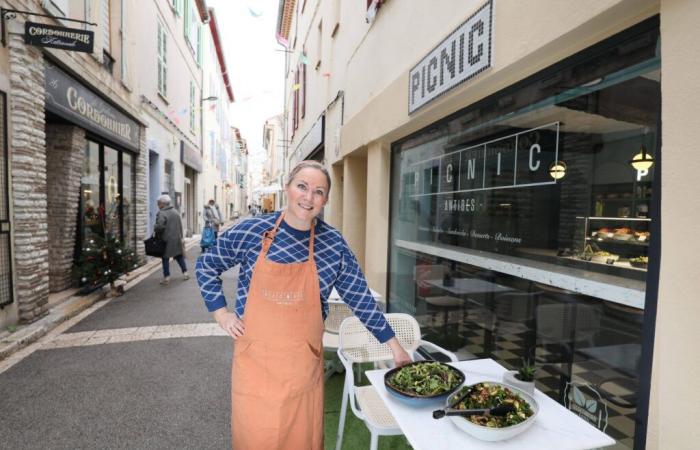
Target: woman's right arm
{"x":228,"y":251}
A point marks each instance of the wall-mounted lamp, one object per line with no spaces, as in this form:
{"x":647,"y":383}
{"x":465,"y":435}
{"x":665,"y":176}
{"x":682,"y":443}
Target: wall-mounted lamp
{"x":557,"y":170}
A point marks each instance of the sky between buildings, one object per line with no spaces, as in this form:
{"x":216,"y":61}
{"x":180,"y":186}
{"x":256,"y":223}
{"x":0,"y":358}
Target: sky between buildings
{"x":255,"y":66}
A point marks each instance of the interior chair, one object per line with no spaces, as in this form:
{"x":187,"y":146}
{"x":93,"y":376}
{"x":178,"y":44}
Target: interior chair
{"x":359,"y":346}
{"x":338,"y":310}
{"x":507,"y":313}
{"x":436,"y":299}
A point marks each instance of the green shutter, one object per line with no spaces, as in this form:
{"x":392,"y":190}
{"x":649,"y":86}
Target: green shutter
{"x":186,"y":17}
{"x":199,"y":45}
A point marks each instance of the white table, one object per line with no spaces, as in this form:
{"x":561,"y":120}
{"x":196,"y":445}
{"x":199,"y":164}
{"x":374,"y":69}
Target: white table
{"x":335,"y":297}
{"x":555,"y":426}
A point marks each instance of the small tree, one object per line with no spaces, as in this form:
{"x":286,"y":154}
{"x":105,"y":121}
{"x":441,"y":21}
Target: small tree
{"x":104,"y":259}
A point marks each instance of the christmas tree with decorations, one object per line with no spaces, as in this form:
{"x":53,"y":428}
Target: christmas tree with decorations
{"x":104,"y":260}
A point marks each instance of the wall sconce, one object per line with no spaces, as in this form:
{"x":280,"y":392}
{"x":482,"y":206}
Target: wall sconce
{"x":642,"y":161}
{"x":557,"y":170}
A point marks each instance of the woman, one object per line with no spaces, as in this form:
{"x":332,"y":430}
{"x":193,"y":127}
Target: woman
{"x":169,"y":228}
{"x":289,"y":260}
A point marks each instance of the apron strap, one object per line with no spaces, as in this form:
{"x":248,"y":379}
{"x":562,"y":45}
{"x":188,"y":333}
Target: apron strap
{"x":269,"y":236}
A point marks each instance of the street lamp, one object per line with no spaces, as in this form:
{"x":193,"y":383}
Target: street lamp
{"x":212,"y":97}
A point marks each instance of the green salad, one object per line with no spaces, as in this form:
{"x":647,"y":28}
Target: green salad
{"x":487,"y":396}
{"x":425,"y":379}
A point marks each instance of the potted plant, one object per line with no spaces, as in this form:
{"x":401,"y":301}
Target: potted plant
{"x":523,"y":378}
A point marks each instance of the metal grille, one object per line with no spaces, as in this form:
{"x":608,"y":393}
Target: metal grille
{"x":5,"y":255}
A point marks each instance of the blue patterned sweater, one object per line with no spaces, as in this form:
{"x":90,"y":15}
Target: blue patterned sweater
{"x":336,"y":264}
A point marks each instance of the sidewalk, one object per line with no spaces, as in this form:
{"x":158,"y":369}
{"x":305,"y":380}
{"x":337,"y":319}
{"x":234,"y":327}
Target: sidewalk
{"x":66,"y":305}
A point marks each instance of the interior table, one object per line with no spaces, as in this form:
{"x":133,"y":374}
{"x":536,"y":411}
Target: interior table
{"x":554,"y":427}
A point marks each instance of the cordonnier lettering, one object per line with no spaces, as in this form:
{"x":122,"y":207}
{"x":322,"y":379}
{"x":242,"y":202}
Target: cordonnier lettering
{"x":40,"y":31}
{"x":87,"y":110}
{"x":463,"y":54}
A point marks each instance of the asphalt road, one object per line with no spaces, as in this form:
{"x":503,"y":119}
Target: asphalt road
{"x":165,"y":393}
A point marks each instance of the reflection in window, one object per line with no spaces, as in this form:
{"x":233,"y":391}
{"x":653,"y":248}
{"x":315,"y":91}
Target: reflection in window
{"x":90,"y":193}
{"x":112,"y":196}
{"x":534,"y":197}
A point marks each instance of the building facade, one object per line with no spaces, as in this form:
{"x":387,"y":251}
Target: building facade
{"x":275,"y":163}
{"x":500,"y":174}
{"x":218,"y":140}
{"x":74,"y":160}
{"x":169,"y":70}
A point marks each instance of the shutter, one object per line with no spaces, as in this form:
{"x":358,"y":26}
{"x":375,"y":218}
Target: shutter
{"x":124,"y":44}
{"x":104,"y":21}
{"x":303,"y":90}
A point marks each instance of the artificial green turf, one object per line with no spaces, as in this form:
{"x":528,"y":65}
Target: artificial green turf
{"x":356,"y":436}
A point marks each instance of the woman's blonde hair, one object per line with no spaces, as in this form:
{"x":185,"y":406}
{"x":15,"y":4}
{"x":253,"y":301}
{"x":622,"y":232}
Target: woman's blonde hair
{"x":312,"y":165}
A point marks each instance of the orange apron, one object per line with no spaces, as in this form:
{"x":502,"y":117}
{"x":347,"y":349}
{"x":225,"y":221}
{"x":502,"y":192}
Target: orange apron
{"x":277,"y":373}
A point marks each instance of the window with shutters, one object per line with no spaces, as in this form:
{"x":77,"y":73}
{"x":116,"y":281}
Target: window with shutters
{"x":303,"y":90}
{"x":295,"y":112}
{"x":199,"y":44}
{"x":124,"y":44}
{"x":335,"y":22}
{"x":319,"y":45}
{"x":162,"y":61}
{"x":105,"y":26}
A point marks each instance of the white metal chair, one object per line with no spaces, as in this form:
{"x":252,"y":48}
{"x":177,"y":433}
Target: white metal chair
{"x":337,"y":312}
{"x":357,"y":346}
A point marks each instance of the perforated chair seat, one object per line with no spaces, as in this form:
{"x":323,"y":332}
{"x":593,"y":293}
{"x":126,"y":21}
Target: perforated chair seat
{"x":373,"y":408}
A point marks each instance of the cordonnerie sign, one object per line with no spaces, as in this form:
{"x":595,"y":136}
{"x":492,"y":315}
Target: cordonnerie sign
{"x":69,"y":98}
{"x":71,"y":39}
{"x":465,"y":53}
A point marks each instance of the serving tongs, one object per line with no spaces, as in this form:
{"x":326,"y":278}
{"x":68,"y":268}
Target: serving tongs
{"x":500,"y":410}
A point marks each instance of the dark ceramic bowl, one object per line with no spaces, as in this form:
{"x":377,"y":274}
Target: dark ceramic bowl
{"x":414,"y":399}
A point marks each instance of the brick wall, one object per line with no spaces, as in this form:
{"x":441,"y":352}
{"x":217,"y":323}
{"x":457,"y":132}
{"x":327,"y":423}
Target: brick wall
{"x":28,"y":169}
{"x":65,"y":151}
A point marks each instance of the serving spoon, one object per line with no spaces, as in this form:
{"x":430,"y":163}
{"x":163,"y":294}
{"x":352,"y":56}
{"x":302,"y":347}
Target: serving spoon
{"x":500,"y":410}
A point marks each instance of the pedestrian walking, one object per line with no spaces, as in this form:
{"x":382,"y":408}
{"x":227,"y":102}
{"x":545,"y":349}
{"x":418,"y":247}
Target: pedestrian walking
{"x":168,"y":228}
{"x":212,"y":216}
{"x":290,"y":262}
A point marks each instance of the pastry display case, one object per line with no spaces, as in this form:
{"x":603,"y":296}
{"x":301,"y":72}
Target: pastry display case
{"x":619,"y":241}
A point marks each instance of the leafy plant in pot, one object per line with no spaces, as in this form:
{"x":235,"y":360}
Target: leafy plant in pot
{"x":523,"y":378}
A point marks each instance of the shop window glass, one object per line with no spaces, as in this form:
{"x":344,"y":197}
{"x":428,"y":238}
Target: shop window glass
{"x":520,"y":228}
{"x":90,"y":193}
{"x":112,"y":195}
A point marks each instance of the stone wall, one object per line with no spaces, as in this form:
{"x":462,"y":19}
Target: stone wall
{"x":142,"y":197}
{"x":28,"y":169}
{"x":65,"y":151}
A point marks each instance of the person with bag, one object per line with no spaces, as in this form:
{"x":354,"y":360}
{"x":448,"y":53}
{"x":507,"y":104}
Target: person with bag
{"x":168,"y":228}
{"x":290,"y":261}
{"x":212,"y":217}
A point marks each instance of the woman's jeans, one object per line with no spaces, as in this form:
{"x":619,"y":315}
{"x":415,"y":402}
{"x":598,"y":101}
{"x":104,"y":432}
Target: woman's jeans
{"x":166,"y":265}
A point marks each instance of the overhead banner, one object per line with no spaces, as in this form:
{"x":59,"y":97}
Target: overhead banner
{"x":71,"y":39}
{"x":465,"y":53}
{"x":72,"y":100}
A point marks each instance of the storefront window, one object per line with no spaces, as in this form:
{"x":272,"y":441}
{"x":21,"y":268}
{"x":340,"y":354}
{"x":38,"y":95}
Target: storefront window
{"x":520,"y":229}
{"x":90,"y":193}
{"x":107,"y":195}
{"x":112,"y":196}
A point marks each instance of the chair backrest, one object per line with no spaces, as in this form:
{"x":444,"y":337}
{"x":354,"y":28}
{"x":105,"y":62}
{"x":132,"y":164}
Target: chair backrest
{"x":424,"y":272}
{"x":337,"y":312}
{"x":360,"y":346}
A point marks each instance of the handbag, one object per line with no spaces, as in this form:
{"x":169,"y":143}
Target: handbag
{"x":155,"y":246}
{"x":208,"y":239}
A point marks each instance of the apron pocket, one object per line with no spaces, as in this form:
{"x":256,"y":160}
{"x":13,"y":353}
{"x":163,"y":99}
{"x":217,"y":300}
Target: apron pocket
{"x":294,"y":368}
{"x":249,"y":370}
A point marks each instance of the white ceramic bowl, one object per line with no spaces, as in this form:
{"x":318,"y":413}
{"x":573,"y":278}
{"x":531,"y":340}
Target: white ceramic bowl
{"x":495,"y":434}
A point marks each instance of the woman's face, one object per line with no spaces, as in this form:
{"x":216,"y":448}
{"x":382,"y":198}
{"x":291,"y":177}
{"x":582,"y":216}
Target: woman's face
{"x":307,"y":193}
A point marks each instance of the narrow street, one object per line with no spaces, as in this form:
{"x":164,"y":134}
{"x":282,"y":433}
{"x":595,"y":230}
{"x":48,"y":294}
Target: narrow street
{"x":148,"y":370}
